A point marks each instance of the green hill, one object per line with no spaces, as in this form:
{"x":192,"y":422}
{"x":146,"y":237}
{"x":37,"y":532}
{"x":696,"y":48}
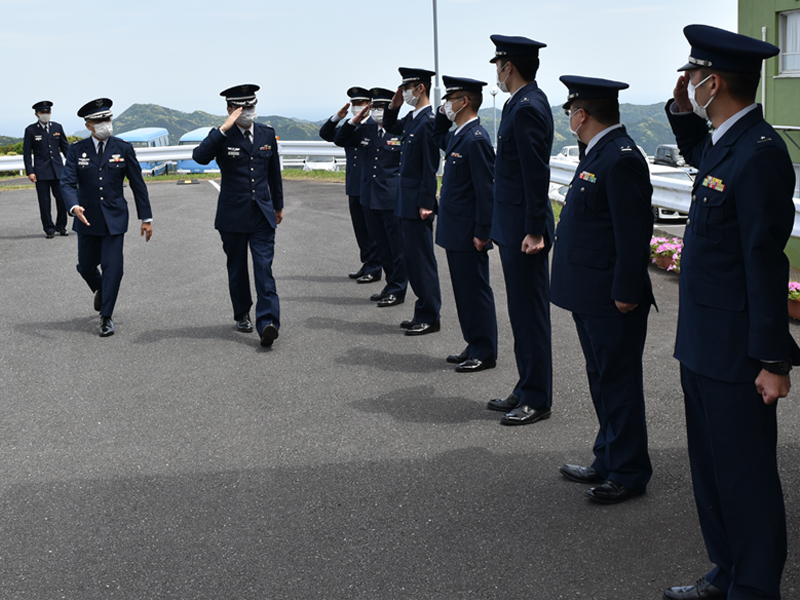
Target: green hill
{"x":646,"y":124}
{"x":178,"y":123}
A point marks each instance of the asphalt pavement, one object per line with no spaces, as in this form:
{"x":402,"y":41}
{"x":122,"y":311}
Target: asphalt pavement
{"x":179,"y":460}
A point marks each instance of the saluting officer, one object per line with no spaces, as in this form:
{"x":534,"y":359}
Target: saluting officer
{"x":600,"y":259}
{"x":465,"y":219}
{"x":249,"y":208}
{"x":416,"y":199}
{"x":379,"y":182}
{"x":522,"y":225}
{"x":45,"y":139}
{"x":733,"y":338}
{"x":370,"y":270}
{"x":92,"y":185}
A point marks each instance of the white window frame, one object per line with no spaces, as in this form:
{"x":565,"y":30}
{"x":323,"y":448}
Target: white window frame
{"x":783,"y":42}
{"x":797,"y":181}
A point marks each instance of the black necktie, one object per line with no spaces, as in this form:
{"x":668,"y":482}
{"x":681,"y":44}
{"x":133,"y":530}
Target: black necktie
{"x":709,"y":146}
{"x":100,"y":150}
{"x":248,"y":145}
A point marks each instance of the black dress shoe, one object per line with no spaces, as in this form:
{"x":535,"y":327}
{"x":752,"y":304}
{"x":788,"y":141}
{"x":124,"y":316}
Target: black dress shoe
{"x":356,"y":274}
{"x":244,"y":324}
{"x":49,"y":235}
{"x":473,"y":365}
{"x":702,"y":590}
{"x":525,"y":415}
{"x":457,"y":359}
{"x":580,"y":474}
{"x":368,"y":278}
{"x":268,"y":335}
{"x":423,"y":328}
{"x":408,"y":324}
{"x":106,"y":326}
{"x":98,"y":299}
{"x":63,"y":232}
{"x":503,"y":404}
{"x":390,"y":300}
{"x":611,"y":492}
{"x":379,"y":296}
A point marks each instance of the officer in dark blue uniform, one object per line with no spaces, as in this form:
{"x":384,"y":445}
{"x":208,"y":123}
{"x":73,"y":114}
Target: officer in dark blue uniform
{"x":600,"y":259}
{"x":380,"y":177}
{"x":370,"y":270}
{"x":46,"y":141}
{"x":522,"y":225}
{"x":91,"y":184}
{"x":465,"y":219}
{"x":733,"y":339}
{"x":416,"y":199}
{"x":249,"y":208}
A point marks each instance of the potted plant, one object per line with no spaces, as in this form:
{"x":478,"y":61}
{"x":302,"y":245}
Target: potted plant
{"x":794,"y":300}
{"x":666,"y":253}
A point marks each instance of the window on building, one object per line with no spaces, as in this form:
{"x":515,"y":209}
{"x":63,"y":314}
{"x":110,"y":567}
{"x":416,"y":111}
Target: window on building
{"x":790,"y":42}
{"x":797,"y":181}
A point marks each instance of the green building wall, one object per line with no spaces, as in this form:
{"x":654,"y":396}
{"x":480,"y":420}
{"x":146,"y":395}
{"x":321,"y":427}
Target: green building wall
{"x":782,"y":98}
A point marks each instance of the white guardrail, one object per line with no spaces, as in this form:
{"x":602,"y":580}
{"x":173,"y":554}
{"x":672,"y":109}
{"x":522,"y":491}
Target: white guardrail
{"x":175,"y":153}
{"x":667,"y":193}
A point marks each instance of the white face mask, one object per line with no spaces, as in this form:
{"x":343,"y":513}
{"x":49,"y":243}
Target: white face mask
{"x":409,"y":98}
{"x":103,"y":130}
{"x":377,"y":115}
{"x":247,"y":117}
{"x":574,"y":132}
{"x":44,"y":118}
{"x":448,"y":109}
{"x":354,"y":110}
{"x":700,"y":111}
{"x":501,"y":85}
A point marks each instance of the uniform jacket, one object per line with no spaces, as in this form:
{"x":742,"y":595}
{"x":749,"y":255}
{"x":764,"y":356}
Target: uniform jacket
{"x":251,"y":179}
{"x":465,"y":210}
{"x":602,"y":245}
{"x":46,"y":148}
{"x":419,"y":161}
{"x":96,"y":185}
{"x":522,"y":169}
{"x":380,"y":175}
{"x":354,"y":160}
{"x":734,"y":274}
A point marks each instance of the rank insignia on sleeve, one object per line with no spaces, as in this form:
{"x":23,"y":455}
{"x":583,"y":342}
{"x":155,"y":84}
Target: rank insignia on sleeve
{"x":586,"y":176}
{"x":714,"y":183}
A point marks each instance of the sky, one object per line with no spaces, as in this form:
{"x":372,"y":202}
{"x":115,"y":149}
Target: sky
{"x":306,"y":53}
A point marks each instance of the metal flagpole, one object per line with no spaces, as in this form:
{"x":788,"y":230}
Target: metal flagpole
{"x":437,"y":92}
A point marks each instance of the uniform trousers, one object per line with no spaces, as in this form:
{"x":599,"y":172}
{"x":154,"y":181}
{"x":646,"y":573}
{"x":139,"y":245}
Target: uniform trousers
{"x":422,"y":269}
{"x":613,"y":348}
{"x":367,"y":248}
{"x":389,"y":240}
{"x":43,"y":188}
{"x":732,"y":438}
{"x":104,"y":251}
{"x":262,"y":248}
{"x":528,"y":291}
{"x":469,"y":274}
